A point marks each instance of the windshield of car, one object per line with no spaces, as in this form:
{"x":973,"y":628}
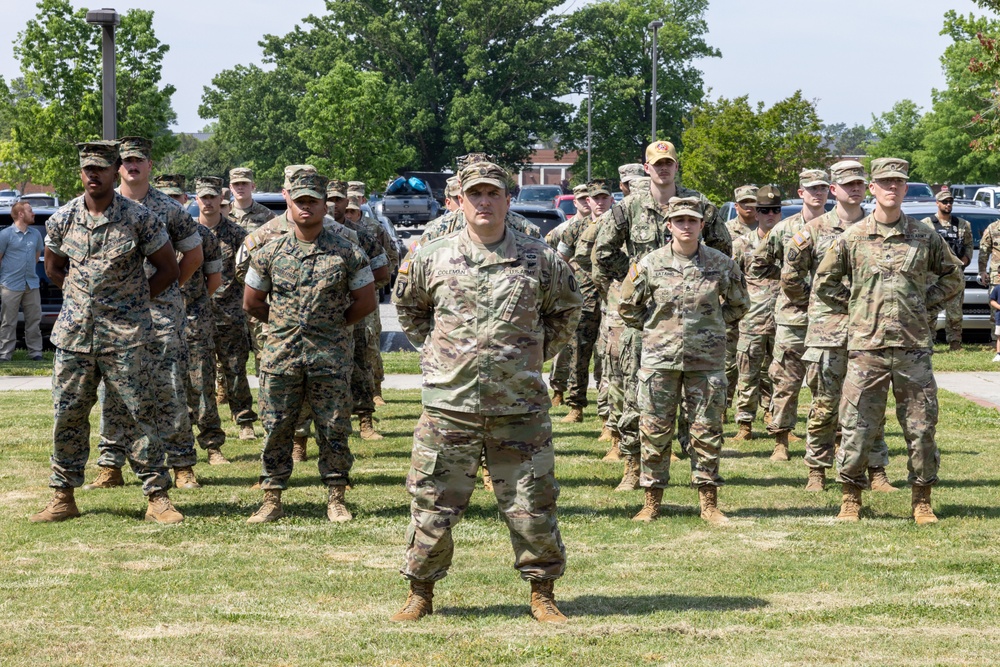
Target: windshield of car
{"x":979,"y":222}
{"x":568,"y":206}
{"x":918,"y":191}
{"x":540,"y":193}
{"x":8,"y":193}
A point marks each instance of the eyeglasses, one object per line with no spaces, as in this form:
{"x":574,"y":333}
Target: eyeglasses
{"x":769,"y":209}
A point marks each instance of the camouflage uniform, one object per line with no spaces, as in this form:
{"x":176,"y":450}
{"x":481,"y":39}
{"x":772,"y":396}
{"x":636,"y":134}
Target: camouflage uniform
{"x":252,"y":218}
{"x":304,"y":360}
{"x":168,"y":355}
{"x":756,"y":329}
{"x":682,"y":304}
{"x":958,"y":235}
{"x":102,"y":333}
{"x":989,"y":252}
{"x":373,"y":323}
{"x":484,"y":323}
{"x":564,"y":362}
{"x":587,"y":330}
{"x":454,"y":221}
{"x":886,"y":297}
{"x":743,"y":195}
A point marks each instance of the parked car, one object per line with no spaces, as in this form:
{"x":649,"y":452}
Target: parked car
{"x":9,"y":197}
{"x":410,"y":207}
{"x":545,"y":217}
{"x":51,"y":295}
{"x":41,"y":200}
{"x":566,"y":204}
{"x":963,"y":191}
{"x":539,"y":195}
{"x":918,"y":192}
{"x":989,"y":196}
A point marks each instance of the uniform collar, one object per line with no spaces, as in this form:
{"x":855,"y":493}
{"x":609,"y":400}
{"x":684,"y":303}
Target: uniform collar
{"x":505,"y":254}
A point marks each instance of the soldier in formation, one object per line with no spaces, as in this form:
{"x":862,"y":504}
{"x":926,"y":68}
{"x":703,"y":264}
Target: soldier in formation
{"x":957,"y":233}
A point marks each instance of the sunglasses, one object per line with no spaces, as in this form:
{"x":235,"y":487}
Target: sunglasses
{"x":769,"y":209}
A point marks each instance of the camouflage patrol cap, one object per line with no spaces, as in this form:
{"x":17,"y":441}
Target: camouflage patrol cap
{"x":240,"y":175}
{"x":210,"y":186}
{"x":452,"y":187}
{"x":98,"y":153}
{"x":890,"y":167}
{"x":170,"y":184}
{"x":660,"y":149}
{"x":745,"y":194}
{"x":353,"y":204}
{"x":293,"y":168}
{"x":226,"y":195}
{"x":944,"y":195}
{"x":356,"y":186}
{"x":629,"y":172}
{"x":581,"y":190}
{"x":598,"y":186}
{"x":811,"y":177}
{"x":464,"y":161}
{"x":140,"y":147}
{"x":678,"y":206}
{"x":847,"y":171}
{"x":336,"y":188}
{"x":305,"y":183}
{"x":769,"y":195}
{"x":483,"y":172}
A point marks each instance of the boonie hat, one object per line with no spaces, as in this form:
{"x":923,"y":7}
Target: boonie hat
{"x":745,"y":194}
{"x":678,"y":206}
{"x":240,"y":175}
{"x":660,"y":149}
{"x":140,"y":147}
{"x":483,"y":172}
{"x":811,"y":177}
{"x":98,"y":153}
{"x":890,"y":167}
{"x":847,"y":171}
{"x":769,"y":195}
{"x":210,"y":186}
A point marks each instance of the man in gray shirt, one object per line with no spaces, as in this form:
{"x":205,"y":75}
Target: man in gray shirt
{"x":20,"y":247}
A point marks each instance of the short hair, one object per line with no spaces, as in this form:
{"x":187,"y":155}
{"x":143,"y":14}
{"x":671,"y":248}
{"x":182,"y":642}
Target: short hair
{"x":18,"y":208}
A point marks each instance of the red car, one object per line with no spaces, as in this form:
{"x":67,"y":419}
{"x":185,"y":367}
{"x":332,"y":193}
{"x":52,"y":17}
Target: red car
{"x":567,"y":204}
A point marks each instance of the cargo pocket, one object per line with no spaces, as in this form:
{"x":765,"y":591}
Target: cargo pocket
{"x":850,"y":398}
{"x":644,"y":395}
{"x":423,"y":460}
{"x":545,"y":490}
{"x":813,"y":354}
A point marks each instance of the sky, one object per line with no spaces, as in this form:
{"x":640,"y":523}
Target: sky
{"x":770,"y":49}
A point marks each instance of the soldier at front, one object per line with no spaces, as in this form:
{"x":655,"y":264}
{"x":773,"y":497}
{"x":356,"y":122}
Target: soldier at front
{"x":94,"y":252}
{"x":957,"y":233}
{"x":486,"y":306}
{"x":682,"y":297}
{"x":309,"y":287}
{"x":885,"y":273}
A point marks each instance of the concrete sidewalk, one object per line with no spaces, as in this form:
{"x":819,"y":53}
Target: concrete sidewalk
{"x":982,"y":388}
{"x":44,"y":382}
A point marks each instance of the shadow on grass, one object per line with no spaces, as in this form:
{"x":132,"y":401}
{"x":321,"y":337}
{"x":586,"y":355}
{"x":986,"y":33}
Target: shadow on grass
{"x":779,"y":512}
{"x":616,"y":605}
{"x":767,"y":481}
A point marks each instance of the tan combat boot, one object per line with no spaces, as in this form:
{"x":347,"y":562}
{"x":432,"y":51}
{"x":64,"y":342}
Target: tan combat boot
{"x":184,"y":478}
{"x":850,"y":503}
{"x":336,"y":510}
{"x":955,"y":346}
{"x":615,"y":453}
{"x":299,"y":451}
{"x":215,"y":457}
{"x":650,"y":506}
{"x":270,"y":509}
{"x":605,"y":435}
{"x":107,"y":477}
{"x":419,"y":602}
{"x":557,"y":398}
{"x":793,"y":438}
{"x":921,"y":502}
{"x":487,"y":479}
{"x":817,"y":479}
{"x":368,"y":431}
{"x":708,"y":497}
{"x":743,"y":431}
{"x":247,"y":432}
{"x":61,"y":507}
{"x":543,"y":603}
{"x":630,"y":480}
{"x":673,"y":456}
{"x":161,"y":510}
{"x":575,"y":416}
{"x":780,"y":452}
{"x":879,"y":481}
{"x":377,"y":399}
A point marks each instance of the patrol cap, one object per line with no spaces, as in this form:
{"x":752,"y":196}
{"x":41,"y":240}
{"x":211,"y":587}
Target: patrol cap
{"x":745,"y":194}
{"x":598,"y":186}
{"x":629,"y":172}
{"x":464,"y":161}
{"x":353,"y":204}
{"x":890,"y":167}
{"x":678,"y":206}
{"x":140,"y":147}
{"x":208,"y":186}
{"x":847,"y":171}
{"x":292,"y":168}
{"x":98,"y":153}
{"x":240,"y":175}
{"x":811,"y":177}
{"x":226,"y":195}
{"x":483,"y":172}
{"x":581,"y":190}
{"x":659,"y":150}
{"x":358,"y":186}
{"x":170,"y":184}
{"x":305,"y":183}
{"x":769,"y":195}
{"x":336,"y":188}
{"x":452,"y":188}
{"x":944,"y":195}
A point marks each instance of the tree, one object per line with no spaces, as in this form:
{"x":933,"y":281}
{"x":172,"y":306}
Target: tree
{"x":728,"y":143}
{"x":613,"y":44}
{"x":57,"y":100}
{"x":194,"y":158}
{"x":843,"y":140}
{"x":896,"y":135}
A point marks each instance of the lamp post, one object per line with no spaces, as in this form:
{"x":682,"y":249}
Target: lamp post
{"x":590,"y":83}
{"x":654,"y":26}
{"x":108,"y":19}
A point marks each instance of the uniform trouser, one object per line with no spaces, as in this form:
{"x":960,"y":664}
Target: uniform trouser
{"x":754,"y":386}
{"x":601,"y":362}
{"x":200,"y":387}
{"x":826,"y":368}
{"x":628,"y":424}
{"x":702,"y":397}
{"x":75,"y":378}
{"x":232,"y":347}
{"x":562,"y":364}
{"x":952,"y":318}
{"x":168,"y":361}
{"x":373,"y":329}
{"x":362,"y":384}
{"x":30,"y":301}
{"x":257,"y":338}
{"x":586,"y":340}
{"x":447,"y":448}
{"x":328,"y":398}
{"x":787,"y":372}
{"x":613,"y":378}
{"x":732,"y":367}
{"x":862,"y":409}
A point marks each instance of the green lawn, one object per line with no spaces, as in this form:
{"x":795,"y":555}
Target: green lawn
{"x":783,"y":584}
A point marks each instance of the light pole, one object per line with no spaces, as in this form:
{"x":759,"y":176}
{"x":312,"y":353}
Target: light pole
{"x":590,"y":83}
{"x":654,"y":26}
{"x":108,"y":19}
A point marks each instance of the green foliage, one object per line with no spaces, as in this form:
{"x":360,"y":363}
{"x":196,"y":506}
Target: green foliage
{"x":844,"y":140}
{"x":57,"y":100}
{"x":896,"y":134}
{"x":728,"y":143}
{"x":195,"y":158}
{"x":613,"y":44}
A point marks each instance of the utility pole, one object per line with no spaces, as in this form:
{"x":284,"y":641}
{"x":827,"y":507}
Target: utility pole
{"x":590,"y":89}
{"x":108,"y":19}
{"x":654,"y":26}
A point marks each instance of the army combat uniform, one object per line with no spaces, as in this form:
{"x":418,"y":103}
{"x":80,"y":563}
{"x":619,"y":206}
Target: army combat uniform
{"x":454,"y":221}
{"x":756,"y":340}
{"x":957,"y":233}
{"x":746,"y":194}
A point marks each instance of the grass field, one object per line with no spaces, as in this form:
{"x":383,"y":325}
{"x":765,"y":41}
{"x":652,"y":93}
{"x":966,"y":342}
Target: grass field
{"x":783,"y":584}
